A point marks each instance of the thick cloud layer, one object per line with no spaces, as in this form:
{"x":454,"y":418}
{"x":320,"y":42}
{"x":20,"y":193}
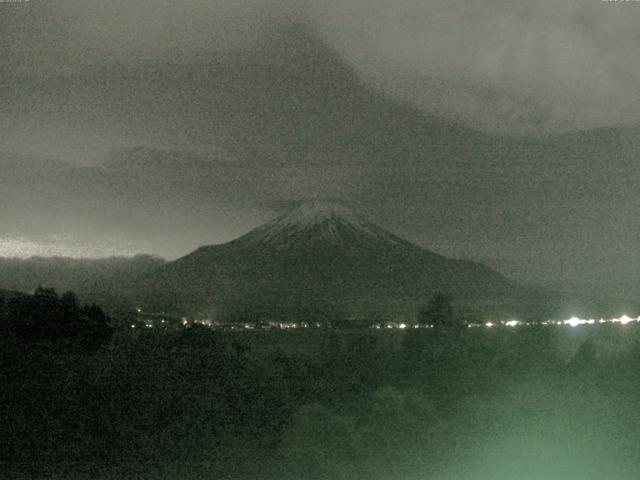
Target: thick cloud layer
{"x":518,"y":67}
{"x":515,"y":66}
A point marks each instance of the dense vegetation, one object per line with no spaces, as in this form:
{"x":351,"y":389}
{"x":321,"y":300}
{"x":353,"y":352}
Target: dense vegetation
{"x":53,"y":321}
{"x":199,"y":404}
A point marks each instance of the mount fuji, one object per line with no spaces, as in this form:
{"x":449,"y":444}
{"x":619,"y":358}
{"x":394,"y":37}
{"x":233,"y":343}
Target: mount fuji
{"x":320,"y":258}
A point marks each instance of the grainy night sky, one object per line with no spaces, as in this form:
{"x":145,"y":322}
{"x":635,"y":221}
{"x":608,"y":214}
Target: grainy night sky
{"x":504,"y":131}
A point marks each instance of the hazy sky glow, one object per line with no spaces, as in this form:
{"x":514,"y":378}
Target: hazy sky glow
{"x":499,"y":130}
{"x":65,"y":247}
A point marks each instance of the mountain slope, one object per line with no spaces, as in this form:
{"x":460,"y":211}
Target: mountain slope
{"x":321,"y":257}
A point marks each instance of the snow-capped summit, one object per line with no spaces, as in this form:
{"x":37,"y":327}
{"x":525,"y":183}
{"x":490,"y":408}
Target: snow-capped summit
{"x":319,"y":220}
{"x":318,"y":211}
{"x":320,"y":257}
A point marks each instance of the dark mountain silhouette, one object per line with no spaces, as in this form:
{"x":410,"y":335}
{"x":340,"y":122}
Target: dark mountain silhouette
{"x":293,"y":120}
{"x":321,"y":257}
{"x":92,"y":279}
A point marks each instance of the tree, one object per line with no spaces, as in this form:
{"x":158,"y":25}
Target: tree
{"x":94,"y":329}
{"x":46,"y":317}
{"x":585,"y":359}
{"x":70,"y":305}
{"x":439,"y":313}
{"x":4,"y":327}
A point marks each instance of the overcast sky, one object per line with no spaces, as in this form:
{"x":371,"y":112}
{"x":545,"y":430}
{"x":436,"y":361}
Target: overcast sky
{"x":517,"y":66}
{"x":452,"y":123}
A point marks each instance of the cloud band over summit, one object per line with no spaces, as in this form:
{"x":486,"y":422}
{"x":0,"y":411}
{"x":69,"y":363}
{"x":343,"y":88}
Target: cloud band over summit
{"x":517,"y":67}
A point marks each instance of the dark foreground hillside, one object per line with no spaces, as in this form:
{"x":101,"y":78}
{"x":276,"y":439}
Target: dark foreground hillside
{"x":199,"y":404}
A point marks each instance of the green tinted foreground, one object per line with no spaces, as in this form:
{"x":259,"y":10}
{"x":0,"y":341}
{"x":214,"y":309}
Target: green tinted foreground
{"x":195,"y":404}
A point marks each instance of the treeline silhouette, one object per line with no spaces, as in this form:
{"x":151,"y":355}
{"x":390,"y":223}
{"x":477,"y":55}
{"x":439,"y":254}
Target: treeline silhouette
{"x":57,"y":321}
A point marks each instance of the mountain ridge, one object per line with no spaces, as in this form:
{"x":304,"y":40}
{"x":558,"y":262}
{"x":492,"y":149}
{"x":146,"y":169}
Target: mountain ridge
{"x":86,"y":276}
{"x":325,"y":220}
{"x":320,"y":256}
